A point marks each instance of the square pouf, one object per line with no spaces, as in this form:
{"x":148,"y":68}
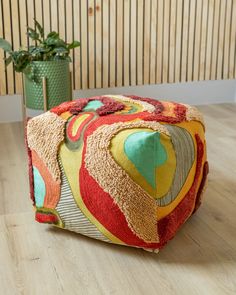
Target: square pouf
{"x":122,"y":169}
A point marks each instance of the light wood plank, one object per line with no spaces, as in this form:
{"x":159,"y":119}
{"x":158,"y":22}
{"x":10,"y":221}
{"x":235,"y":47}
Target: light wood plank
{"x":77,"y":51}
{"x":16,"y":38}
{"x":61,"y":18}
{"x":30,"y":17}
{"x":126,"y":52}
{"x":3,"y":87}
{"x":119,"y":44}
{"x":165,"y":65}
{"x":133,"y":40}
{"x":203,"y":40}
{"x":228,"y":22}
{"x":219,"y":70}
{"x":209,"y":39}
{"x":140,"y":52}
{"x":91,"y":44}
{"x":46,"y":15}
{"x":191,"y":40}
{"x":105,"y":51}
{"x":197,"y":42}
{"x":184,"y":51}
{"x":84,"y":44}
{"x":172,"y":41}
{"x":215,"y":40}
{"x":153,"y":42}
{"x":98,"y":50}
{"x":178,"y":40}
{"x":69,"y":34}
{"x":232,"y":55}
{"x":160,"y":14}
{"x":8,"y":37}
{"x":112,"y":37}
{"x":54,"y":15}
{"x":146,"y":40}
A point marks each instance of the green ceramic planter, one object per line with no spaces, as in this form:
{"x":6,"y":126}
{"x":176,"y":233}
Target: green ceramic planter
{"x":57,"y":80}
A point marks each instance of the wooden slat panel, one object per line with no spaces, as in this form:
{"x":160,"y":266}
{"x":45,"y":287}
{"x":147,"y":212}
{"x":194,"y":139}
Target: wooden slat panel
{"x":8,"y":37}
{"x":61,"y":18}
{"x":153,"y":42}
{"x":70,"y":33}
{"x":84,"y":44}
{"x":178,"y":40}
{"x":77,"y":52}
{"x":16,"y":39}
{"x":160,"y":12}
{"x":140,"y":4}
{"x":98,"y":47}
{"x":228,"y":22}
{"x":146,"y":40}
{"x":126,"y":42}
{"x":232,"y":51}
{"x":184,"y":54}
{"x":191,"y":39}
{"x":54,"y":14}
{"x":129,"y":42}
{"x":119,"y":44}
{"x":133,"y":40}
{"x":219,"y":73}
{"x":197,"y":40}
{"x":172,"y":41}
{"x":46,"y":15}
{"x":166,"y":41}
{"x":215,"y":39}
{"x":3,"y":88}
{"x":105,"y":38}
{"x":112,"y":38}
{"x":203,"y":40}
{"x":91,"y":43}
{"x":209,"y":39}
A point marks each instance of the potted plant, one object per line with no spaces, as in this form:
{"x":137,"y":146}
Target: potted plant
{"x":48,"y":58}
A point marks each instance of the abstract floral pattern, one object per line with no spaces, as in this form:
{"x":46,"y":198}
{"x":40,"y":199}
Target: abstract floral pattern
{"x":122,"y":169}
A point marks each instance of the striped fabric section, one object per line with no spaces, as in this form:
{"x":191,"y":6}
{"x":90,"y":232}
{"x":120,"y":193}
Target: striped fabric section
{"x":184,"y":150}
{"x":71,"y":215}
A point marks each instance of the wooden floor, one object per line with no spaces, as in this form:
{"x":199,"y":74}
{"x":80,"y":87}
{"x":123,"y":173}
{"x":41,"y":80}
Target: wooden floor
{"x":39,"y":259}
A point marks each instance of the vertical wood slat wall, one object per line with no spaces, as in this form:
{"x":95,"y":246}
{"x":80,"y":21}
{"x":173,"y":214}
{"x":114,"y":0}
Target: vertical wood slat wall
{"x":129,"y":42}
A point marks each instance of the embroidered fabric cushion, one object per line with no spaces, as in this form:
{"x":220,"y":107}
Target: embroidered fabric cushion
{"x":125,"y":170}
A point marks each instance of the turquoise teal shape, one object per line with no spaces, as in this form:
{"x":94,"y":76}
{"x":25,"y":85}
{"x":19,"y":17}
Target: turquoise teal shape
{"x":93,"y":105}
{"x":146,"y":152}
{"x":39,"y":188}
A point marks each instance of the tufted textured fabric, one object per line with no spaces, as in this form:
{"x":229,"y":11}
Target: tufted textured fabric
{"x":121,"y":169}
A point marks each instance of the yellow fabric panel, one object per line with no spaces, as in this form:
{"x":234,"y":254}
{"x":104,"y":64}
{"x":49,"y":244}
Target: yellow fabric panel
{"x":71,"y":162}
{"x":66,"y":115}
{"x":164,"y":173}
{"x":193,"y":127}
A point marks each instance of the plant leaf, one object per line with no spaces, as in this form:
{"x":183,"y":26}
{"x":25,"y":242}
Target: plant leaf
{"x":8,"y":60}
{"x":32,"y":34}
{"x":74,"y":44}
{"x":53,"y":34}
{"x":39,"y":27}
{"x":5,"y":45}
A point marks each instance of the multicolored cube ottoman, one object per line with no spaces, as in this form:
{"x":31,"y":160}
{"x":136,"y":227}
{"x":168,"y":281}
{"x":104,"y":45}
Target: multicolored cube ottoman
{"x":122,"y":169}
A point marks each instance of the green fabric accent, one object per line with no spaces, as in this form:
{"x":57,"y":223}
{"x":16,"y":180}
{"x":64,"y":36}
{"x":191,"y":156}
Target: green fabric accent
{"x":93,"y":105}
{"x":145,"y":151}
{"x":39,"y":188}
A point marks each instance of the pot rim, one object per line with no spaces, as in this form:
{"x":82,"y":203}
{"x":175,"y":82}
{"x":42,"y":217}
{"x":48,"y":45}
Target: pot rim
{"x":50,"y":61}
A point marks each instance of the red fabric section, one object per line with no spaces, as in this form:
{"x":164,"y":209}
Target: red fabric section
{"x":30,"y":168}
{"x":46,"y":217}
{"x":156,"y":103}
{"x":169,"y":225}
{"x":202,"y":185}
